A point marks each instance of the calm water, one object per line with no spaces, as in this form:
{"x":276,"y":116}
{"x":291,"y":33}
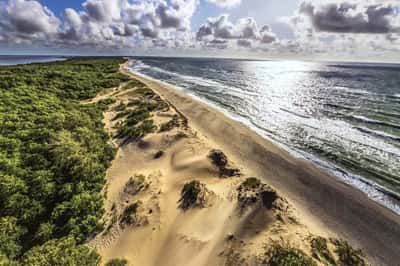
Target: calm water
{"x":11,"y":60}
{"x":344,"y":117}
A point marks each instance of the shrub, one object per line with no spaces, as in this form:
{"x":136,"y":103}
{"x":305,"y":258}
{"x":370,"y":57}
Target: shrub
{"x":167,"y":126}
{"x":320,"y":250}
{"x":193,"y":194}
{"x":144,"y":91}
{"x":347,"y":255}
{"x":284,"y":255}
{"x":136,"y":184}
{"x":252,"y":190}
{"x":117,"y":262}
{"x":106,"y":102}
{"x":219,"y":159}
{"x":137,"y":131}
{"x":120,"y":107}
{"x":130,"y":215}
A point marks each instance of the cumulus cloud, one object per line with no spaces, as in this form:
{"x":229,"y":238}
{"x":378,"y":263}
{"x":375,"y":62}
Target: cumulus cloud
{"x":26,"y":21}
{"x":103,"y":11}
{"x":245,"y":32}
{"x":266,"y":35}
{"x":319,"y":26}
{"x":225,"y":3}
{"x":348,"y":17}
{"x":101,"y":23}
{"x":345,"y":27}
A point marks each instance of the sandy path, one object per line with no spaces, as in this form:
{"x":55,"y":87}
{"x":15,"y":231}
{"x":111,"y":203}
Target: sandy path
{"x":322,"y":200}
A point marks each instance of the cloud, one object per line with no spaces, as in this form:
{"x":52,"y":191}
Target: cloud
{"x":349,"y":17}
{"x":103,"y":11}
{"x":119,"y":22}
{"x":26,"y":21}
{"x":177,"y":15}
{"x":332,"y":27}
{"x":225,"y":3}
{"x":267,"y":36}
{"x":244,"y":43}
{"x":245,"y":31}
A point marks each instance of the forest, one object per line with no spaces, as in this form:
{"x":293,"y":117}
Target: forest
{"x":54,"y":153}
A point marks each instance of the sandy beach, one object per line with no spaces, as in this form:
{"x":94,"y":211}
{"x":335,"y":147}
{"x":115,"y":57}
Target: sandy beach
{"x":315,"y":203}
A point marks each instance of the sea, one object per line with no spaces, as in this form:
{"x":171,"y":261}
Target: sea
{"x":12,"y":60}
{"x":343,"y":117}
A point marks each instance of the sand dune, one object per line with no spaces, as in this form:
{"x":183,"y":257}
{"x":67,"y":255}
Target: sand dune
{"x":221,"y":232}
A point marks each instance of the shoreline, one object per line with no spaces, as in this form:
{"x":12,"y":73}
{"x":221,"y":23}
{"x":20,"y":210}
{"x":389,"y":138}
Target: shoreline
{"x":323,"y":197}
{"x":383,"y":195}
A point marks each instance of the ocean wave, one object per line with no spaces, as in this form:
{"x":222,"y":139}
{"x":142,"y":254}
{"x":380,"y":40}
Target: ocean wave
{"x":376,"y":122}
{"x":378,"y":133}
{"x":352,"y":90}
{"x":196,"y":80}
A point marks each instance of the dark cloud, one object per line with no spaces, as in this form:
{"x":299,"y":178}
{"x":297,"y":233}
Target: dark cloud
{"x":350,"y":18}
{"x":169,"y":17}
{"x":244,"y":43}
{"x":204,"y":30}
{"x":217,"y":43}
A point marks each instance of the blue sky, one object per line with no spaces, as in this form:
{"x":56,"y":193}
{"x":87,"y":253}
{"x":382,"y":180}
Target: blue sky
{"x":310,"y":29}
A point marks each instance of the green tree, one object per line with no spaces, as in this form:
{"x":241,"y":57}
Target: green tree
{"x":10,"y":234}
{"x":61,"y":252}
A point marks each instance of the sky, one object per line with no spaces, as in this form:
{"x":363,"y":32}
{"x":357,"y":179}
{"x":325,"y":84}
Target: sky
{"x":334,"y":30}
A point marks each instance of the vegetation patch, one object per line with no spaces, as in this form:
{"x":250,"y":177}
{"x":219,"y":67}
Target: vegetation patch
{"x":320,"y":250}
{"x":120,"y":107}
{"x":347,"y":254}
{"x":117,"y":262}
{"x":132,"y":215}
{"x":176,"y":121}
{"x":252,"y":190}
{"x":284,"y":255}
{"x":54,"y":153}
{"x":234,"y":258}
{"x":106,"y":102}
{"x":136,"y":184}
{"x":167,"y":126}
{"x":194,"y":195}
{"x":219,"y":159}
{"x":132,"y":83}
{"x":136,"y":130}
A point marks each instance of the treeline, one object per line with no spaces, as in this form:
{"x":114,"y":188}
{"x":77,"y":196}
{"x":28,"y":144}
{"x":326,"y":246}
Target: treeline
{"x":54,"y":153}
